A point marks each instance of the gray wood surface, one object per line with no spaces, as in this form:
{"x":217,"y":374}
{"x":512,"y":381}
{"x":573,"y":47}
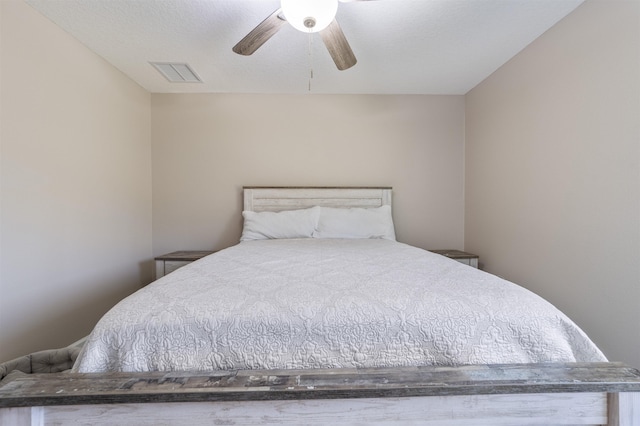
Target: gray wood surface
{"x":185,"y":255}
{"x":260,"y":385}
{"x":455,"y":254}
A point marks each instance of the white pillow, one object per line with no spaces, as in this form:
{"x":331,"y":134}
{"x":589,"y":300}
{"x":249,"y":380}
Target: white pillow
{"x":284,"y":224}
{"x":355,"y":223}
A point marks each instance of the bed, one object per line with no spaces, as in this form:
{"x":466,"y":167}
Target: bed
{"x":320,"y":306}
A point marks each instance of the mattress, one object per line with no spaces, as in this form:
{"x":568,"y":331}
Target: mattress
{"x":329,"y":303}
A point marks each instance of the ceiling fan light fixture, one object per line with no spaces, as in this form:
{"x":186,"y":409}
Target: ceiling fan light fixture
{"x":309,"y":16}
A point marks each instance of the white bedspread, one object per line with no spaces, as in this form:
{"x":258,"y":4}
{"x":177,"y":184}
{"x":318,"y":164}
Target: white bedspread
{"x":314,"y":303}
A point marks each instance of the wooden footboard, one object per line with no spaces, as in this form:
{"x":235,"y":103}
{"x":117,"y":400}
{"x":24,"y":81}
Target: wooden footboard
{"x":521,"y":394}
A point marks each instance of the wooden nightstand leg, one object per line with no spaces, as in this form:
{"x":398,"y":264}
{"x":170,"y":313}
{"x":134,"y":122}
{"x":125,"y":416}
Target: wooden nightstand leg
{"x":159,"y":268}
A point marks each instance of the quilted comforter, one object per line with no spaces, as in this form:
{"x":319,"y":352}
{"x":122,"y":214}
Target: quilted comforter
{"x":313,"y":303}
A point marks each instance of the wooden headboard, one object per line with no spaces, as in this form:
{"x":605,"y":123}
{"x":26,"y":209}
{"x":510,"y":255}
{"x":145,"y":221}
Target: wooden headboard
{"x":262,"y":198}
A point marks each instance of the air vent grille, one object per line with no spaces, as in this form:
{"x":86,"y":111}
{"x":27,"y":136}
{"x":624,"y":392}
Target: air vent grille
{"x":177,"y":72}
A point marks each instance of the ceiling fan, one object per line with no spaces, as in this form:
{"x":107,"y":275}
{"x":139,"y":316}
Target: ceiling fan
{"x":309,"y":16}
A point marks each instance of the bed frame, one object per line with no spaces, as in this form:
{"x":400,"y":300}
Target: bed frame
{"x":514,"y":394}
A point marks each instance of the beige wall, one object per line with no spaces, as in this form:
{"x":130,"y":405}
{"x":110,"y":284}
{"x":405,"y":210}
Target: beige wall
{"x":553,"y":171}
{"x":206,"y":147}
{"x":75,"y":176}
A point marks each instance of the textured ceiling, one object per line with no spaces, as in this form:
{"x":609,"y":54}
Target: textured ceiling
{"x":402,"y":46}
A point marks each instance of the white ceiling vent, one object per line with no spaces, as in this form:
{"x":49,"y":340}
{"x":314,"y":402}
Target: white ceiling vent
{"x":176,"y":72}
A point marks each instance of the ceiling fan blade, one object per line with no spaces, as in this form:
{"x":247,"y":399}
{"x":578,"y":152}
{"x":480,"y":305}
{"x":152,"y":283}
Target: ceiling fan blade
{"x":338,"y":46}
{"x":260,"y":34}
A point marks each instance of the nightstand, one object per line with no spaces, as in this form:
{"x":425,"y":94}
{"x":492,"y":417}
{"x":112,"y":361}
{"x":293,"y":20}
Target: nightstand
{"x":460,"y":256}
{"x":171,"y":261}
